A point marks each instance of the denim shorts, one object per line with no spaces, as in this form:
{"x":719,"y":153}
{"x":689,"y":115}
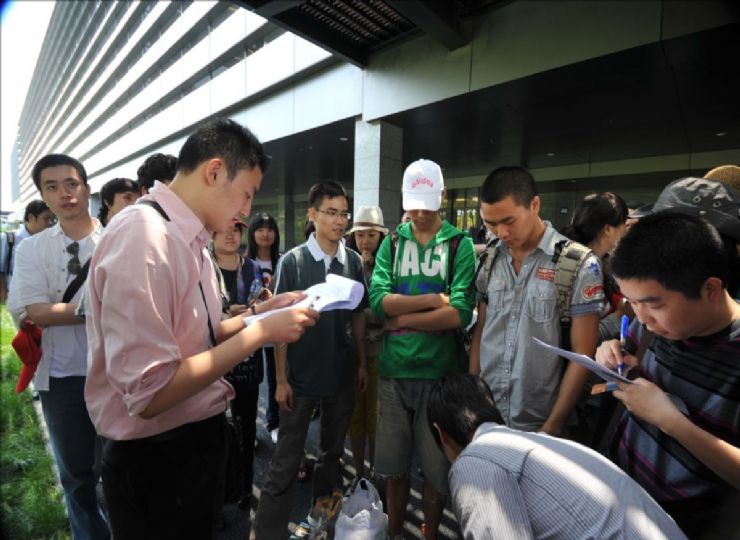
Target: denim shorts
{"x":403,"y":426}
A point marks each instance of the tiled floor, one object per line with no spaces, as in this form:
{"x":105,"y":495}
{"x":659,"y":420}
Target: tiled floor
{"x":236,"y":521}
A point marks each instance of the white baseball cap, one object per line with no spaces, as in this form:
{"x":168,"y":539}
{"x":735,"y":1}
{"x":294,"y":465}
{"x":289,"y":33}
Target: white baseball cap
{"x":422,"y":186}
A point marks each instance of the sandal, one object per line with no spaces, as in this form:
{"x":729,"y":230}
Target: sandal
{"x":305,"y":470}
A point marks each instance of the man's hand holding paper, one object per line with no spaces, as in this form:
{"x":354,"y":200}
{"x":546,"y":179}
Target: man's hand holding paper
{"x":336,"y":292}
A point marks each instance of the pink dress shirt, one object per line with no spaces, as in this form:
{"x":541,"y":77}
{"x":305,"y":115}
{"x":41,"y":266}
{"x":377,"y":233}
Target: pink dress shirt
{"x":146,"y":312}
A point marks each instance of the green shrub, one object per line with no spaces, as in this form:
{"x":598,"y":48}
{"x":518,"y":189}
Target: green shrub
{"x":31,"y":502}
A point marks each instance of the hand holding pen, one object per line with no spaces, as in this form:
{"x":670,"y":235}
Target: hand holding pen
{"x":613,"y":355}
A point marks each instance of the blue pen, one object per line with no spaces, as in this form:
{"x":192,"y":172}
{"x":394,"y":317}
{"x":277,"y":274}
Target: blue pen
{"x":624,"y":328}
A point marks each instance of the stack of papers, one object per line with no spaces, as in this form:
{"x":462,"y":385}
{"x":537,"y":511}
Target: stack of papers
{"x":336,"y":292}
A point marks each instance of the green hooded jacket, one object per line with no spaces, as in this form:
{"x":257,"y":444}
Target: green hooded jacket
{"x":412,"y":354}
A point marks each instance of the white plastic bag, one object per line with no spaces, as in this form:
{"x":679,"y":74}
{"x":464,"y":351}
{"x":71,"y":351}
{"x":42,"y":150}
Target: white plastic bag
{"x":362,"y":517}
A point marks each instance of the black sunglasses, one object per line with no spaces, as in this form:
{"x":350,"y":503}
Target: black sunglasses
{"x":74,"y":266}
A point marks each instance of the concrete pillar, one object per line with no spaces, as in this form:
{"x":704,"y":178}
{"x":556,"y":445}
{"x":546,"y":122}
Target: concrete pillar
{"x":379,"y":168}
{"x":284,"y":217}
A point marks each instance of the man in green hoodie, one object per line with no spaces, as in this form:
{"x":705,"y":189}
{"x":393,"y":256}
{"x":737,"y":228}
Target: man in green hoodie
{"x":422,"y":306}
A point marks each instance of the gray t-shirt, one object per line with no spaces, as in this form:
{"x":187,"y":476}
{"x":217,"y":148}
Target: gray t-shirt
{"x":321,"y":360}
{"x":509,"y":484}
{"x":523,"y":377}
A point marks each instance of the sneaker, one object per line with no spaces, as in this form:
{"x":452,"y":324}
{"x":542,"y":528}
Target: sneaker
{"x":274,"y":435}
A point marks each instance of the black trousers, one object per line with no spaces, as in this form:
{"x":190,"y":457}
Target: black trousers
{"x":273,"y":513}
{"x":166,"y":486}
{"x":244,"y":411}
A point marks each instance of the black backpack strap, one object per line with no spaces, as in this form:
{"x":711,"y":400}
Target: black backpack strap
{"x":157,"y":207}
{"x":394,"y":249}
{"x":485,"y":263}
{"x":451,"y":254}
{"x":76,"y":283}
{"x":161,"y":212}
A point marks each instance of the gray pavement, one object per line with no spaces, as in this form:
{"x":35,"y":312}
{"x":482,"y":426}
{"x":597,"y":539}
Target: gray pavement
{"x":237,"y":521}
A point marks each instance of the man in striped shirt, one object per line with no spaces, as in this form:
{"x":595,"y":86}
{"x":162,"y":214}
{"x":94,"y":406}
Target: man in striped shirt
{"x":511,"y":484}
{"x":680,"y":435}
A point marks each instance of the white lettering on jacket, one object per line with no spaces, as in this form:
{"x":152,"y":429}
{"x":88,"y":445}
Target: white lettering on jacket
{"x":432,"y":264}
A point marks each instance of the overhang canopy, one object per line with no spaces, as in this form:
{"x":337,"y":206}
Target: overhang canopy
{"x":354,"y":29}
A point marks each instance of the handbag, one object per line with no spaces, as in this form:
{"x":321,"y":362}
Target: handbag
{"x":362,"y":516}
{"x":27,"y":345}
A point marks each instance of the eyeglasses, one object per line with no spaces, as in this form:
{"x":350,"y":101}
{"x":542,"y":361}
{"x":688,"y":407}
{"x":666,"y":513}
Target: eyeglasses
{"x":49,"y":219}
{"x":74,"y":266}
{"x":333,"y":213}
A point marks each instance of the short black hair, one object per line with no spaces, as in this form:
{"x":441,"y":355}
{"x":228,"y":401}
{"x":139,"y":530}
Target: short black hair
{"x":328,"y":189}
{"x":510,"y":181}
{"x":459,"y":404}
{"x":162,"y":167}
{"x":54,"y":160}
{"x":34,"y":208}
{"x":677,"y":250}
{"x":108,"y":194}
{"x":225,"y":139}
{"x":593,"y":213}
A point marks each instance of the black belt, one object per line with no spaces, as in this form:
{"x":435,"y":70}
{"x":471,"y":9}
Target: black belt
{"x":186,"y":429}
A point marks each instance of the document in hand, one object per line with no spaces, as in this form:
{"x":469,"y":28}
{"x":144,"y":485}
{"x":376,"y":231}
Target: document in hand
{"x":336,"y":292}
{"x":583,"y":360}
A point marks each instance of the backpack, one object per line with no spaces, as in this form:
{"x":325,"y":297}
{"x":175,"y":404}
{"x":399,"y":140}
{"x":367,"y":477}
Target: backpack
{"x":569,"y":256}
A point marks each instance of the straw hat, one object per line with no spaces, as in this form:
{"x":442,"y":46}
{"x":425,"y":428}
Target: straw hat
{"x":369,"y":218}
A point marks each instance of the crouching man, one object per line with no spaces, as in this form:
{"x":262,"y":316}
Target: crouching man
{"x":507,"y":483}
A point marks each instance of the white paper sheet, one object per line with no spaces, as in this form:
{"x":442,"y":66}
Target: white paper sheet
{"x":583,"y":360}
{"x":336,"y":292}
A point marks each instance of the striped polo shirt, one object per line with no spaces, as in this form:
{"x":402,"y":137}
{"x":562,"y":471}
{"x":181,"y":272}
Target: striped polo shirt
{"x":702,"y":377}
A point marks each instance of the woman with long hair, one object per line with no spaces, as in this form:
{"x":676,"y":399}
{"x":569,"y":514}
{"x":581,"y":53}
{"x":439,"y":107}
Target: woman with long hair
{"x":599,"y":221}
{"x":115,"y":195}
{"x":365,"y":237}
{"x":263,"y":247}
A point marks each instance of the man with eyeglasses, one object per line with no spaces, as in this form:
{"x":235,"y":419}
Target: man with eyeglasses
{"x":318,"y":369}
{"x":49,"y":266}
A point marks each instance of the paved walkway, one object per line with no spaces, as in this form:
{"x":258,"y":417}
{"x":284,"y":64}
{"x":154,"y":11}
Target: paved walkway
{"x":236,"y":521}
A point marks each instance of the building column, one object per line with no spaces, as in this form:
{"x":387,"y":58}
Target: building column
{"x":379,"y":168}
{"x":285,"y":216}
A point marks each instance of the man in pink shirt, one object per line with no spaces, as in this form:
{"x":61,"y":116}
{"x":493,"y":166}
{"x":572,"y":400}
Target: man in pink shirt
{"x":158,"y":349}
